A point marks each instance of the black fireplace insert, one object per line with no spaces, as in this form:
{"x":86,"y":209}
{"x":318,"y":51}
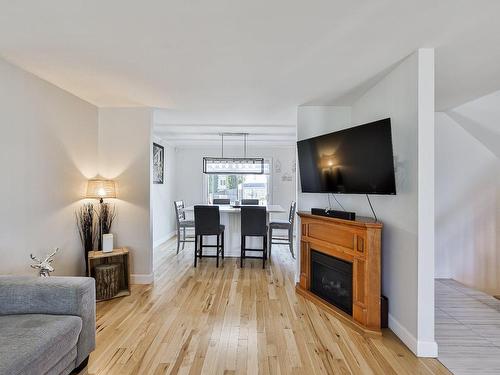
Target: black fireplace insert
{"x":331,"y":279}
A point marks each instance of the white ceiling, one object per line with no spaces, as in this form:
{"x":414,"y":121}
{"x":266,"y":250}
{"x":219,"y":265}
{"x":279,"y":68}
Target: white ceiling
{"x":249,"y":62}
{"x":197,"y":135}
{"x":196,"y":128}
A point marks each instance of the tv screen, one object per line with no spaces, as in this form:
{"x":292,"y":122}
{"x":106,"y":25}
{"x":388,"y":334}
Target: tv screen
{"x":357,"y":160}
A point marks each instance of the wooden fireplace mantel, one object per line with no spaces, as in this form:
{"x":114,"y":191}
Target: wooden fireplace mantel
{"x":357,"y":242}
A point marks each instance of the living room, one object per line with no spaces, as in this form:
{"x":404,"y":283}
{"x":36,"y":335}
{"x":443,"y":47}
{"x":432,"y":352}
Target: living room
{"x":141,"y":140}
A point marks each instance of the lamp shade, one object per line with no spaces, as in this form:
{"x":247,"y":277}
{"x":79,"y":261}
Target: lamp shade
{"x":97,"y":188}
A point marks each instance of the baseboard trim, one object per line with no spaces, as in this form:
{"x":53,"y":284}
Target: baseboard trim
{"x":427,"y":349}
{"x":404,"y":335}
{"x":139,"y":278}
{"x":164,"y":239}
{"x":419,"y":348}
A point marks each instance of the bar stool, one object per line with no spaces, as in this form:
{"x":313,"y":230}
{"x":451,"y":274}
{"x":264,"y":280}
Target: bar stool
{"x":253,"y":223}
{"x":284,"y":225}
{"x":183,"y":224}
{"x":207,"y":223}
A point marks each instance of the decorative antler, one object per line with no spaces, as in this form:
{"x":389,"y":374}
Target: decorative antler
{"x":49,"y":258}
{"x":45,"y":265}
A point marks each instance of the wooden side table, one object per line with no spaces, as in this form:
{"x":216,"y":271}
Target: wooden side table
{"x":120,"y":256}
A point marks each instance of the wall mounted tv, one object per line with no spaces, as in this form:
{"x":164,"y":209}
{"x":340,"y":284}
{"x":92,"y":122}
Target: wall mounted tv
{"x":357,"y":160}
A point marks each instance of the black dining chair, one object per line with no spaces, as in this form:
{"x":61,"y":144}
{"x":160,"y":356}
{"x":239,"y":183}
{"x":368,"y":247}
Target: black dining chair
{"x":207,"y":223}
{"x":250,"y":202}
{"x":253,"y":223}
{"x":182,"y":224}
{"x":221,"y":201}
{"x":283,"y":225}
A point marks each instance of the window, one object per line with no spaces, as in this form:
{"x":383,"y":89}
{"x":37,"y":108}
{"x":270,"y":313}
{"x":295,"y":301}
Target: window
{"x":240,"y":186}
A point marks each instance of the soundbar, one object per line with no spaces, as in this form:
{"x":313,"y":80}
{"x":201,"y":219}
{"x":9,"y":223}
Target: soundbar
{"x":345,"y":215}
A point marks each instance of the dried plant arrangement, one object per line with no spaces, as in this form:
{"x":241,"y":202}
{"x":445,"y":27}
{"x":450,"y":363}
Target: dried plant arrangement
{"x":87,"y":228}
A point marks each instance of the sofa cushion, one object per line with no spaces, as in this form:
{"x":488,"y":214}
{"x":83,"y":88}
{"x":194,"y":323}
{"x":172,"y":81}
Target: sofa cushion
{"x":66,"y":365}
{"x":34,"y":343}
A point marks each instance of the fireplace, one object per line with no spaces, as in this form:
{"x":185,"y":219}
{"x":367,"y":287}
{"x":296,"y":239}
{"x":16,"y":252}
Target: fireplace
{"x":340,"y":268}
{"x":331,"y":279}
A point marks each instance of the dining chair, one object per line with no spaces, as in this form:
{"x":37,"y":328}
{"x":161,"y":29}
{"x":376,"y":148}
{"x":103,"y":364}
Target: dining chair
{"x":253,"y":223}
{"x":283,"y":225}
{"x":183,"y":224}
{"x":221,"y":201}
{"x":250,"y":201}
{"x":207,"y":223}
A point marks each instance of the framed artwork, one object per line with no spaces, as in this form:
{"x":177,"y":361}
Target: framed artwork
{"x":158,"y":163}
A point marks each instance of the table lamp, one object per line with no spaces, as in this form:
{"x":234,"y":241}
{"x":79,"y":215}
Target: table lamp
{"x":100,"y":189}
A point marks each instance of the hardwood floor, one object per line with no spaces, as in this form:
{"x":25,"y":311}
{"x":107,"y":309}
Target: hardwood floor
{"x":235,"y":321}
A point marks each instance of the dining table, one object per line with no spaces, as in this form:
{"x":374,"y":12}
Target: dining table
{"x":230,"y":217}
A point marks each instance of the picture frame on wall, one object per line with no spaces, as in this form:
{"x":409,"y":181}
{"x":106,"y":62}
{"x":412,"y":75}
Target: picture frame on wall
{"x":158,"y":163}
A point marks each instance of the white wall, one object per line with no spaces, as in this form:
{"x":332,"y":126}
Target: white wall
{"x":163,"y":196}
{"x":400,"y":95}
{"x":467,"y":206}
{"x":480,"y":117}
{"x":48,"y":150}
{"x":51,"y":144}
{"x":125,"y":149}
{"x":313,"y":121}
{"x":189,"y":176}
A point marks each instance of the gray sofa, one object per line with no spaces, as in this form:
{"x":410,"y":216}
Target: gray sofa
{"x":47,"y":325}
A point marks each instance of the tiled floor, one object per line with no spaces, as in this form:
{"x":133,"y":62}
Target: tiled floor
{"x":467,"y":329}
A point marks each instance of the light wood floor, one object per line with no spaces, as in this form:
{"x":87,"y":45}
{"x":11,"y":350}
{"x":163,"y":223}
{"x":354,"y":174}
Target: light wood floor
{"x":235,"y":321}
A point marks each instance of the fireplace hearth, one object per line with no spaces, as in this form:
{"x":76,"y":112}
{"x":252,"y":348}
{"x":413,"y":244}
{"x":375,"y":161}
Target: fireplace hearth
{"x":331,"y":279}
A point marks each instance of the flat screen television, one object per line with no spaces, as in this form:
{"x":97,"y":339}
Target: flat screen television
{"x":358,"y":160}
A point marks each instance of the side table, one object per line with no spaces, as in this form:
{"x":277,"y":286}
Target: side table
{"x":120,"y":256}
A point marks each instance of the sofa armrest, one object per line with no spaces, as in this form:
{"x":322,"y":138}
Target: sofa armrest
{"x":54,"y":296}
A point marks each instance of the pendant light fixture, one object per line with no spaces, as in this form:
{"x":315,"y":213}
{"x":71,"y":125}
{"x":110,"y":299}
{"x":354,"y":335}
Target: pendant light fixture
{"x":244,"y":165}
